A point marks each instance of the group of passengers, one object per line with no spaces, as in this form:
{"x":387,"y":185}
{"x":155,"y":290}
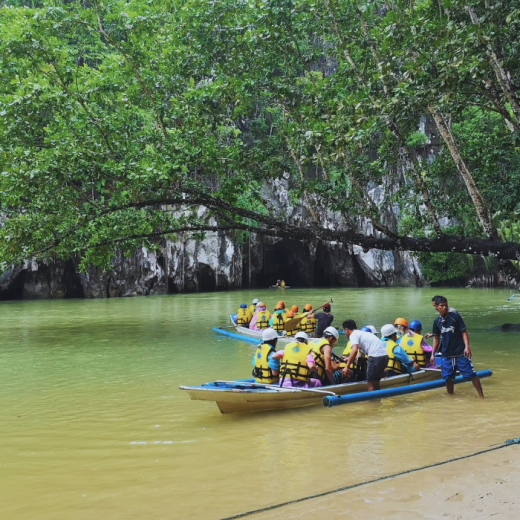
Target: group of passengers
{"x":402,"y":349}
{"x":311,"y":363}
{"x":257,"y":317}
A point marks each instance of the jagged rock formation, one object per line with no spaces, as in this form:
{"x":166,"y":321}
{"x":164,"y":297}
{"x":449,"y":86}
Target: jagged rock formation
{"x":220,"y":263}
{"x":216,"y":263}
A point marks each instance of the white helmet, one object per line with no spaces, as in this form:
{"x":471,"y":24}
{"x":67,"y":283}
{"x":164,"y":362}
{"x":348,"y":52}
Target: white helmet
{"x":372,"y":329}
{"x":301,"y":335}
{"x":269,"y":334}
{"x":331,"y":331}
{"x":388,"y":330}
{"x":256,"y":301}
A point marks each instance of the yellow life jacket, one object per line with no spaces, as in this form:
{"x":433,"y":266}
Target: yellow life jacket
{"x":319,"y":359}
{"x":278,"y":322}
{"x":294,"y":362}
{"x":347,"y":352}
{"x":308,"y":325}
{"x":243,"y":317}
{"x":252,"y":309}
{"x":262,"y":320}
{"x":262,"y":373}
{"x":412,"y":346}
{"x":393,"y":363}
{"x":282,"y":284}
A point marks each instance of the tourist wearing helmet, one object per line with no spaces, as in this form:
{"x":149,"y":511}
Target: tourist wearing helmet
{"x":289,"y":316}
{"x":308,"y":324}
{"x":261,"y":317}
{"x":265,"y":366}
{"x":416,"y":327}
{"x":371,"y":346}
{"x":402,"y":326}
{"x":297,"y":364}
{"x":244,"y":316}
{"x":398,"y":360}
{"x":321,"y":349}
{"x":410,"y":341}
{"x":252,"y":307}
{"x":278,"y":317}
{"x":323,"y":319}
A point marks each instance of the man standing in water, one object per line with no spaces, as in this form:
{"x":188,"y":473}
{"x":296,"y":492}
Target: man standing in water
{"x":455,"y":350}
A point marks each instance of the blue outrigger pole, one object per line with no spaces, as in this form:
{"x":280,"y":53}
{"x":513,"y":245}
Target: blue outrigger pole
{"x":337,"y":400}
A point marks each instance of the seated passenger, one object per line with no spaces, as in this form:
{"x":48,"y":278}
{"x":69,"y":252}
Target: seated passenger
{"x":416,"y":327}
{"x":244,"y":316}
{"x":402,"y":326}
{"x":266,"y":367}
{"x":278,"y":319}
{"x":326,"y":371}
{"x":295,"y":309}
{"x":261,"y":317}
{"x":282,"y":283}
{"x":398,"y":360}
{"x":411,"y":342}
{"x":289,"y":316}
{"x":252,"y":307}
{"x":297,"y":363}
{"x":308,"y":324}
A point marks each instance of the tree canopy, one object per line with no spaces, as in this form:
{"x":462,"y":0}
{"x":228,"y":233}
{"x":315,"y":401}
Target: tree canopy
{"x":125,"y":121}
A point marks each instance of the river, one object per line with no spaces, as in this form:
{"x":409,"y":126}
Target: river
{"x":93,"y":424}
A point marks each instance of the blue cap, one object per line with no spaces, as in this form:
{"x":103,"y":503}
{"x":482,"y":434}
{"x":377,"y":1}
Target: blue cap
{"x":415,"y":325}
{"x":366,"y":329}
{"x":243,"y":306}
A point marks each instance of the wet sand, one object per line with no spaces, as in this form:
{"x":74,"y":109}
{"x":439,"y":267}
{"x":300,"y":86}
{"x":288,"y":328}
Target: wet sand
{"x":484,"y":486}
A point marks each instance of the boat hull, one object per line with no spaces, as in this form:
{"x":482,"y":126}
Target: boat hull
{"x":239,"y":397}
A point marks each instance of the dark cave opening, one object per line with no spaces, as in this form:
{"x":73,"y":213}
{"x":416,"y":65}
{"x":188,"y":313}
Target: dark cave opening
{"x":288,"y":260}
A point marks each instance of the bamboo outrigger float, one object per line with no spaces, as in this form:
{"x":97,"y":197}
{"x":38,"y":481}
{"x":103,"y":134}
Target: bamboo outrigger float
{"x":246,"y":395}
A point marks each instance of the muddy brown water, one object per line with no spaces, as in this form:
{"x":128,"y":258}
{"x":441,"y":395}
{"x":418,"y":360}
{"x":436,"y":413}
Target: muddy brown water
{"x":93,"y":424}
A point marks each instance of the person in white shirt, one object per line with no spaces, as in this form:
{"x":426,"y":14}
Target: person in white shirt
{"x":372,"y":347}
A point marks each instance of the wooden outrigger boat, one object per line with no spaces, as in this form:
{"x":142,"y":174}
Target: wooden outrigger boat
{"x":247,"y":396}
{"x":249,"y":333}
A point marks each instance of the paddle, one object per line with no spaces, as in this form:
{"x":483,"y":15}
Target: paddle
{"x":294,"y":322}
{"x":512,"y":296}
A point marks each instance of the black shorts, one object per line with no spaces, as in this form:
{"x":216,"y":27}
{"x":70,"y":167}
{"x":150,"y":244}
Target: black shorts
{"x":376,"y":368}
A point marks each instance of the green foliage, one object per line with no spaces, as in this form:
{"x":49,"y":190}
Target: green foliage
{"x":445,"y":267}
{"x":118,"y":120}
{"x":417,"y":139}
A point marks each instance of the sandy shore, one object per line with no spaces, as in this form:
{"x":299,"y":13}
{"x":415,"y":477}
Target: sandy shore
{"x":484,"y":486}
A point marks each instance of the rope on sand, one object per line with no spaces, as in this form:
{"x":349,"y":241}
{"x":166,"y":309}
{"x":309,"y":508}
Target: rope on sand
{"x":494,"y":447}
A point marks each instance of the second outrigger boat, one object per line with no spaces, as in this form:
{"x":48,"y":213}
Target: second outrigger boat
{"x":245,"y":395}
{"x":254,"y":334}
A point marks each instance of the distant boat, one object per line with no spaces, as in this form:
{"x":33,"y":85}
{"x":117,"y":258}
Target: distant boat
{"x":279,"y":287}
{"x":245,"y":395}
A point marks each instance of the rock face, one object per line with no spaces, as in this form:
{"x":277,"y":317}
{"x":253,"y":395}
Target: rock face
{"x":216,"y":263}
{"x":220,"y":263}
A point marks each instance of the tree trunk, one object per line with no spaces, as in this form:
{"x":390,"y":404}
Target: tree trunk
{"x":483,"y":212}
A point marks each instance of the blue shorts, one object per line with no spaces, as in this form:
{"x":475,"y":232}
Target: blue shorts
{"x":464,"y":364}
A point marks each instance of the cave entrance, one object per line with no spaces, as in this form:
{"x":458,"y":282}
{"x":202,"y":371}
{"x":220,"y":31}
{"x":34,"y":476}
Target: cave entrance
{"x":15,"y":289}
{"x":206,"y":278}
{"x":288,"y":260}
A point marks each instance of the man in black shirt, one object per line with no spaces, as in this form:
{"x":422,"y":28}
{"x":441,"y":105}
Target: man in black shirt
{"x":323,"y":319}
{"x":450,"y":329}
